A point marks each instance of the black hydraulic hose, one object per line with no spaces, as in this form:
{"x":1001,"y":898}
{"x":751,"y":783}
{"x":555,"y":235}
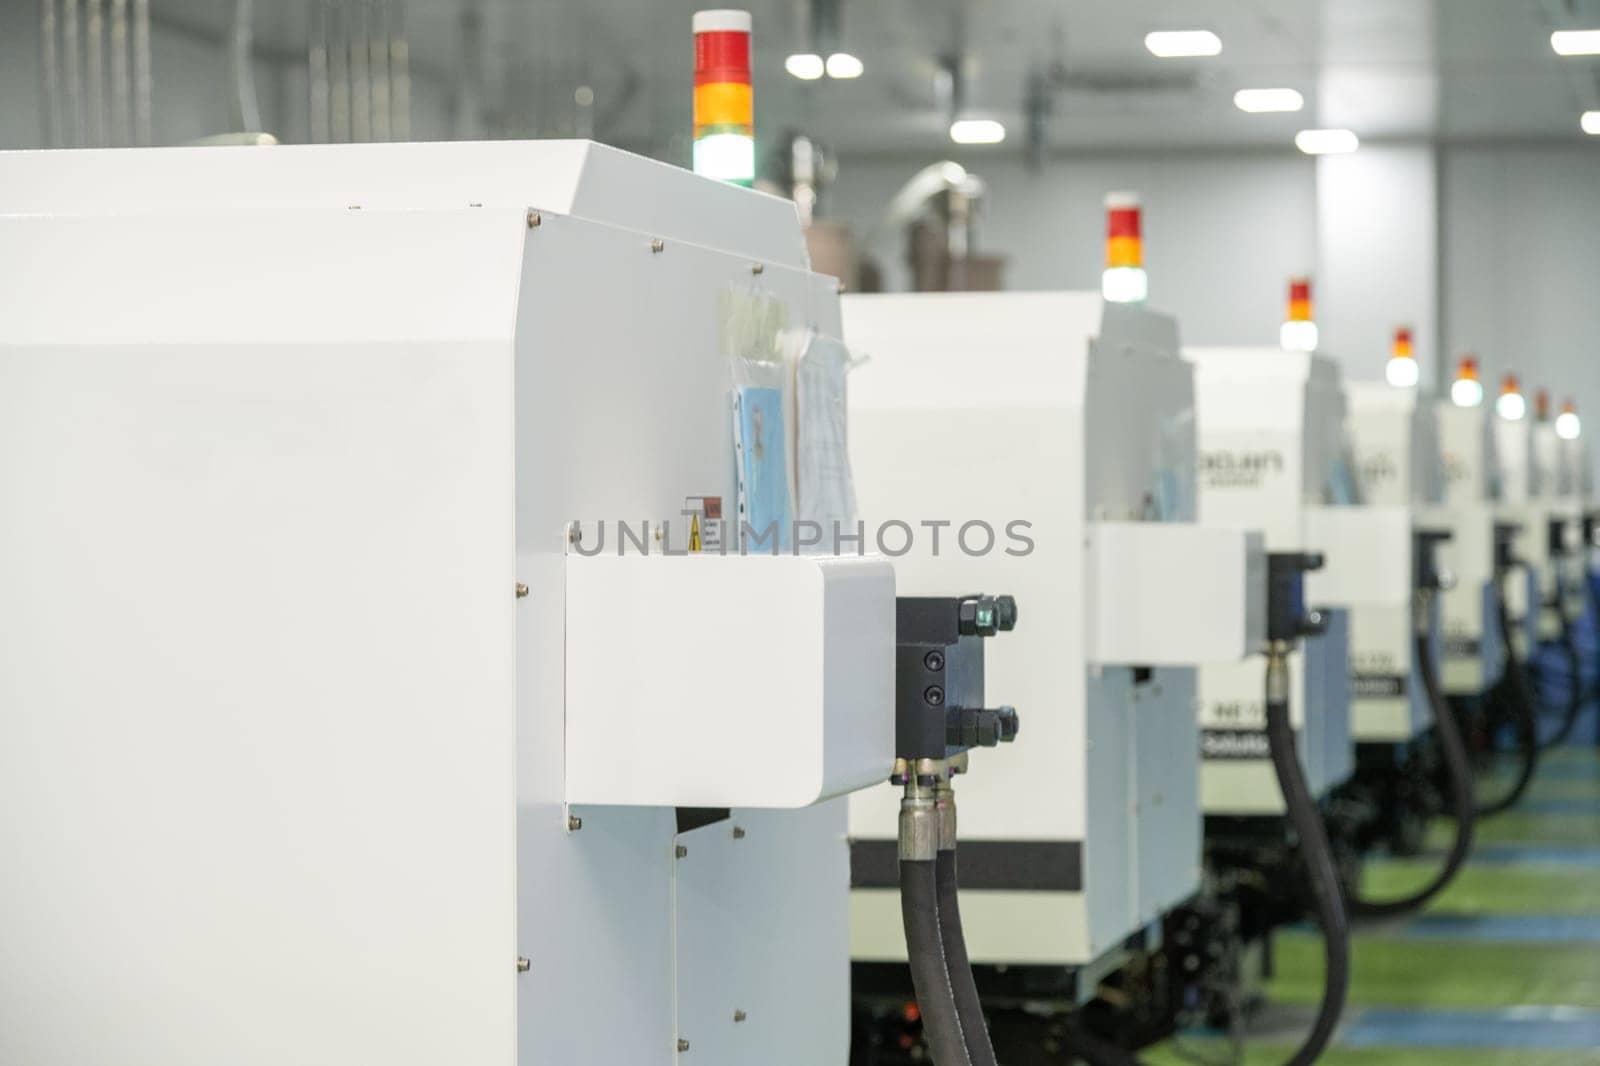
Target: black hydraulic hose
{"x":969,"y":1008}
{"x":1324,"y":873}
{"x":930,"y":971}
{"x":1464,"y":805}
{"x":1515,"y":683}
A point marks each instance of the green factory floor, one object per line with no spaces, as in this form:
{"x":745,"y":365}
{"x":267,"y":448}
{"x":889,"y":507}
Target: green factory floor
{"x":1503,"y":967}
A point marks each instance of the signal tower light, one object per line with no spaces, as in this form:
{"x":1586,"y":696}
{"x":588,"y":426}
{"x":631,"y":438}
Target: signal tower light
{"x":1511,"y":405}
{"x":1299,"y":332}
{"x":724,"y":112}
{"x":1124,"y":280}
{"x":1568,"y":427}
{"x":1467,"y":390}
{"x":1401,"y":370}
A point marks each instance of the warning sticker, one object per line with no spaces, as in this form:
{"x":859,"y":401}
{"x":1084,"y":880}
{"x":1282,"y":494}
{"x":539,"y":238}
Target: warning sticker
{"x":705,"y":523}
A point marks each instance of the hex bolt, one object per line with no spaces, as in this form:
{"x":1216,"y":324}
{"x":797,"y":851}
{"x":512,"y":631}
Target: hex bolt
{"x":680,"y":851}
{"x":522,"y":591}
{"x":533,"y":219}
{"x":574,"y":823}
{"x":683,"y":1045}
{"x":523,"y":964}
{"x":934,"y":695}
{"x":934,"y":661}
{"x":738,"y":832}
{"x":658,"y":245}
{"x":756,"y":268}
{"x":739,"y":1016}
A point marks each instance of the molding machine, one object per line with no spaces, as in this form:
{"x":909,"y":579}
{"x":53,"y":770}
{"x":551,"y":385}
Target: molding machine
{"x":1273,"y":457}
{"x":1045,"y":441}
{"x":1411,"y":758}
{"x":1472,"y":652}
{"x":345,"y":727}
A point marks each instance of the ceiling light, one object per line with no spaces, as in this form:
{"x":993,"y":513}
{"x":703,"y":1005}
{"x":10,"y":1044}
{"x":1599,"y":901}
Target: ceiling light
{"x":1178,"y":44}
{"x":1263,"y":101}
{"x":845,"y":66}
{"x":977,"y":131}
{"x":1323,"y":142}
{"x":806,"y":66}
{"x":1591,"y":123}
{"x":1576,"y":42}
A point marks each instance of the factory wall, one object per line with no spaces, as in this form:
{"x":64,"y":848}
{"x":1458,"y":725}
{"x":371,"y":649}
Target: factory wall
{"x":1521,"y":253}
{"x":1223,"y":231}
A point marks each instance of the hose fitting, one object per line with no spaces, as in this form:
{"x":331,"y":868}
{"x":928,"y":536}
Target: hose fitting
{"x":919,"y":821}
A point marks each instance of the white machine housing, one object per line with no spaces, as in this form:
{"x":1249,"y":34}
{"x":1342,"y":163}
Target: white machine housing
{"x":1273,"y":457}
{"x":285,"y":759}
{"x":1394,"y":444}
{"x":1068,"y":426}
{"x":1525,"y":502}
{"x":1560,"y":494}
{"x":1472,"y":655}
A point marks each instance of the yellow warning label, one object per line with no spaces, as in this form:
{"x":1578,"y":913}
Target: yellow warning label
{"x":694,"y":533}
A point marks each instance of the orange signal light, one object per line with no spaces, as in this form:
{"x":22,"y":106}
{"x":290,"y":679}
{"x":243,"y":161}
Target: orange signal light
{"x":1124,"y":236}
{"x":1299,"y":299}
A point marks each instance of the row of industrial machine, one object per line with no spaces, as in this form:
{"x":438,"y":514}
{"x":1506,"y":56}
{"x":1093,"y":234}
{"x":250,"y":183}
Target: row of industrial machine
{"x":495,"y":603}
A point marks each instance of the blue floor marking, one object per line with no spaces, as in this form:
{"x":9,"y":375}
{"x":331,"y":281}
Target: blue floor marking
{"x":1504,"y":928}
{"x":1579,"y":807}
{"x":1545,"y":1028}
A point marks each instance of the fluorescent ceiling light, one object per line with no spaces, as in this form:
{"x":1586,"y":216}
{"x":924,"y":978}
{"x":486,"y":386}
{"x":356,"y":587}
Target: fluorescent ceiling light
{"x":1322,"y":142}
{"x":1576,"y":42}
{"x":844,"y":65}
{"x":1591,"y":123}
{"x":1178,"y":44}
{"x":805,"y":66}
{"x":1262,"y":101}
{"x":977,"y":131}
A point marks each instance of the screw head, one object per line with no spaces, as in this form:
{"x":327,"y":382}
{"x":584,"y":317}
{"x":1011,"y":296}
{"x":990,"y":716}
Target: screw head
{"x":533,"y":219}
{"x":756,"y":268}
{"x":680,"y":851}
{"x":524,"y":965}
{"x":739,"y":1016}
{"x":574,"y":823}
{"x":934,"y":695}
{"x":522,"y":591}
{"x":683,"y":1045}
{"x":738,"y":832}
{"x":658,"y":245}
{"x":934,"y":661}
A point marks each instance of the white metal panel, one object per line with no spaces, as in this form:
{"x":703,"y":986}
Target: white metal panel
{"x":751,"y":680}
{"x":622,"y":412}
{"x":1367,"y":555}
{"x":762,"y":972}
{"x":1169,"y":593}
{"x":1168,"y":816}
{"x":580,"y":178}
{"x":256,"y":650}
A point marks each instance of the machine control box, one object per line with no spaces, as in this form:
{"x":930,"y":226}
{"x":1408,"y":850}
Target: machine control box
{"x":939,"y":697}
